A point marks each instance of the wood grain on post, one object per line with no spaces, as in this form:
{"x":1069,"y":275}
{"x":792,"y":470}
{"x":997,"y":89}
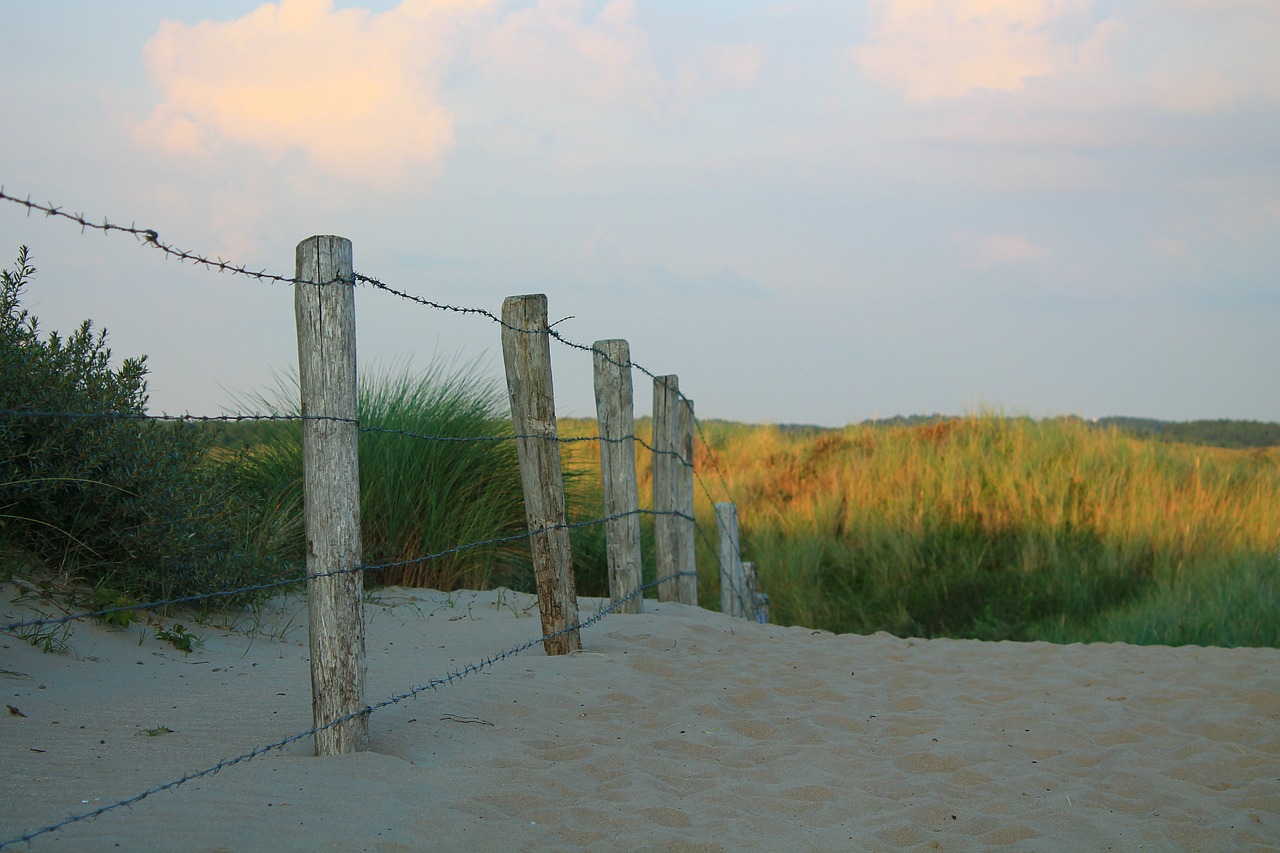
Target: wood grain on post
{"x":615,"y":412}
{"x":326,"y":318}
{"x":526,"y":352}
{"x":686,"y":528}
{"x":731,"y":580}
{"x":666,"y":496}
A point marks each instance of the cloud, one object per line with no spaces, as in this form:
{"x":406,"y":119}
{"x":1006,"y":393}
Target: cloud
{"x":719,"y":67}
{"x":365,"y":95}
{"x":985,"y":252}
{"x":357,"y":93}
{"x":1171,"y":247}
{"x":934,"y":49}
{"x":1207,"y":57}
{"x":607,"y":58}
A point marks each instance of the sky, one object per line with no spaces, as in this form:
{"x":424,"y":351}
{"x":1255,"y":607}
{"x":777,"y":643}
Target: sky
{"x":812,"y":211}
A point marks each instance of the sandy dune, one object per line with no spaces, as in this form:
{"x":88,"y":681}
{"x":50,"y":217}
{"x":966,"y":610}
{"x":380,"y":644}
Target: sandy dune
{"x":678,"y":729}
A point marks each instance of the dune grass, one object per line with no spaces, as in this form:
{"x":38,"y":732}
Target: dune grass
{"x":1004,"y":528}
{"x":417,"y":496}
{"x":983,"y":527}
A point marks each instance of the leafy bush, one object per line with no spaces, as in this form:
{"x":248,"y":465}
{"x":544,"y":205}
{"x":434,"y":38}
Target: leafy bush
{"x":117,"y":500}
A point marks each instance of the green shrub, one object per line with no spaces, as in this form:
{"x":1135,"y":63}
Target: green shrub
{"x":121,"y":501}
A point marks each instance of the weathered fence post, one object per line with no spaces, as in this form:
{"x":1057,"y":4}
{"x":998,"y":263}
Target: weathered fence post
{"x":615,"y":412}
{"x":750,"y":595}
{"x":732,"y":583}
{"x":526,"y":351}
{"x":686,"y":528}
{"x":326,"y":317}
{"x":666,"y":492}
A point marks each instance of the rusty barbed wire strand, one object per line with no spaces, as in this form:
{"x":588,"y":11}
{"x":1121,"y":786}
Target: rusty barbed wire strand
{"x":151,"y":238}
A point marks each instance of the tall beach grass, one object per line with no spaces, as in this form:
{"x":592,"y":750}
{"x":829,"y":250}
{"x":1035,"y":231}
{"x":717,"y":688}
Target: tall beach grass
{"x":1006,"y":528}
{"x":985,"y":527}
{"x":418,"y":496}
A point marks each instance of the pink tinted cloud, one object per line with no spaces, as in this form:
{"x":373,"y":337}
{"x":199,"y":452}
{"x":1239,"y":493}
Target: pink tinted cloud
{"x":353,"y":91}
{"x":607,"y":58}
{"x":934,"y":49}
{"x":361,"y":94}
{"x":603,"y":58}
{"x":985,"y":252}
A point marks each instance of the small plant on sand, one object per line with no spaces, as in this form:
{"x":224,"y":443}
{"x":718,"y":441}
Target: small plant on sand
{"x":50,"y":639}
{"x":179,"y":637}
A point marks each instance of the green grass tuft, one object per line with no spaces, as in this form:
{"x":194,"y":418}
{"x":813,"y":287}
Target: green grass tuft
{"x":418,"y":496}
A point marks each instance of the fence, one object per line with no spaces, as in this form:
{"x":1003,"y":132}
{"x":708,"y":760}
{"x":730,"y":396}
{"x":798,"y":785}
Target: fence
{"x":324,"y":284}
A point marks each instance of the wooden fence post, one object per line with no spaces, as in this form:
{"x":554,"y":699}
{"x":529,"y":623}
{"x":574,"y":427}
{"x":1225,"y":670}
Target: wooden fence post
{"x":666,"y":494}
{"x":749,"y":585}
{"x":732,"y":585}
{"x":615,"y":412}
{"x":686,"y":528}
{"x":326,"y":318}
{"x":526,"y":351}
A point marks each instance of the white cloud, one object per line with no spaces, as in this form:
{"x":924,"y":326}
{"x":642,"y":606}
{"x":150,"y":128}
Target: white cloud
{"x":559,"y":47}
{"x":935,"y":49}
{"x":605,"y":58}
{"x":719,"y":67}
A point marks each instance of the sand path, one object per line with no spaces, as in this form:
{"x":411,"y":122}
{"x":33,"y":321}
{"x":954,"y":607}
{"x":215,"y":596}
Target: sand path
{"x":678,"y":729}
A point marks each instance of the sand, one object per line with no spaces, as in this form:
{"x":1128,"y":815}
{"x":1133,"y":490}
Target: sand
{"x":677,"y":729}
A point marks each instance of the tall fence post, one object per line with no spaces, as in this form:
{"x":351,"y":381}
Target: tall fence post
{"x":325,"y":309}
{"x":526,"y":352}
{"x":732,"y":583}
{"x":615,"y":412}
{"x":666,"y":492}
{"x":686,"y":528}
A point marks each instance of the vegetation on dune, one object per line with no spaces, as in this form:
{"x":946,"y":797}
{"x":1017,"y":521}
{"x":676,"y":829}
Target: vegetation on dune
{"x":986,"y":526}
{"x":1005,"y":528}
{"x":1215,"y":433}
{"x":418,"y":496}
{"x":125,"y":504}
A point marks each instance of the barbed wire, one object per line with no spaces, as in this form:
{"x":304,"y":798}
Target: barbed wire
{"x":142,"y":416}
{"x":150,"y":237}
{"x":449,"y":678}
{"x":245,"y":590}
{"x":208,"y":419}
{"x":549,"y":331}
